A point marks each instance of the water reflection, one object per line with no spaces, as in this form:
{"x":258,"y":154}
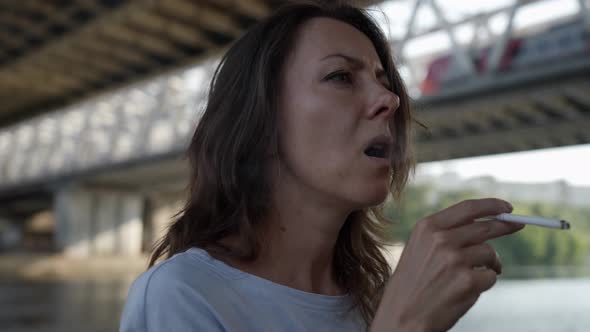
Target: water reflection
{"x":533,"y":305}
{"x":62,"y":305}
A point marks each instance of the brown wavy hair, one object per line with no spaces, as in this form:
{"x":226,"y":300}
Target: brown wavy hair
{"x":229,"y":190}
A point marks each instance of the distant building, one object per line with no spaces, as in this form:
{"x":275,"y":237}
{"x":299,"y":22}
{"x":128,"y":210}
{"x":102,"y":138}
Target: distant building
{"x":557,"y":192}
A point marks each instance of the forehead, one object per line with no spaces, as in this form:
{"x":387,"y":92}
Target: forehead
{"x":321,"y":36}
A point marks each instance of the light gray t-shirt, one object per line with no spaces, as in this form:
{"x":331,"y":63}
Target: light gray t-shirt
{"x":193,"y":291}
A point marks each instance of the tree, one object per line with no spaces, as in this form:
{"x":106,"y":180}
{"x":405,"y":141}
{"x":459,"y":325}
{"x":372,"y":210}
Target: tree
{"x":531,"y":246}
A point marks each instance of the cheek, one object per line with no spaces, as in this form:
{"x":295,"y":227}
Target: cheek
{"x":330,"y":163}
{"x":319,"y":127}
{"x":320,"y":145}
{"x":319,"y":152}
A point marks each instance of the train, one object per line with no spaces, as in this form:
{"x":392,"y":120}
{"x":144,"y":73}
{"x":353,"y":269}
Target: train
{"x":557,"y":43}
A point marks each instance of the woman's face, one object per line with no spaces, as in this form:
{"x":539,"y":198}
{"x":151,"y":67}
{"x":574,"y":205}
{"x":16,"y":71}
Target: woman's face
{"x":335,"y":108}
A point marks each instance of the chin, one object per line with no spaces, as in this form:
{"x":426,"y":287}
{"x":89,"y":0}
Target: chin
{"x":373,"y":196}
{"x":379,"y":197}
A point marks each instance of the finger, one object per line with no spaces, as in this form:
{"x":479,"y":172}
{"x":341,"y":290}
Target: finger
{"x":473,"y":282}
{"x":484,"y":279}
{"x":479,"y":232}
{"x":466,"y":211}
{"x":460,"y":308}
{"x":482,"y":255}
{"x":498,"y":264}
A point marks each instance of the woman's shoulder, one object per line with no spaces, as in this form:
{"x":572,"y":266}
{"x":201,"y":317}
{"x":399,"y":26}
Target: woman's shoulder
{"x":193,"y":268}
{"x":182,"y":282}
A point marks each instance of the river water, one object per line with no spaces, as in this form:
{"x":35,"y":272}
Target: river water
{"x":541,"y":305}
{"x":533,"y":305}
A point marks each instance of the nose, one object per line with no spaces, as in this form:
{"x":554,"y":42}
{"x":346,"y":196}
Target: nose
{"x":384,"y":104}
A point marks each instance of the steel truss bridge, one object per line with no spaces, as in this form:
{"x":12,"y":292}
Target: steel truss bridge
{"x":105,"y":94}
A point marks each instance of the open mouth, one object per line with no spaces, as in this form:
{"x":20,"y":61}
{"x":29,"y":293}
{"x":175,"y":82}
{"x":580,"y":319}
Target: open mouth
{"x":377,"y":151}
{"x":379,"y":147}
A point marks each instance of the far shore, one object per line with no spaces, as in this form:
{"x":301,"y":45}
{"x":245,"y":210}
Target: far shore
{"x":40,"y":267}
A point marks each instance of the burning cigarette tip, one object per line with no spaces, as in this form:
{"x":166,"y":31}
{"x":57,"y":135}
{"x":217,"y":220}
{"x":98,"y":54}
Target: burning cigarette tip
{"x":565,"y":224}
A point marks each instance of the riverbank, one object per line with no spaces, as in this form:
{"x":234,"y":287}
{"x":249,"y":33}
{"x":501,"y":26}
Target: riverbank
{"x":545,"y":272}
{"x":58,"y":267}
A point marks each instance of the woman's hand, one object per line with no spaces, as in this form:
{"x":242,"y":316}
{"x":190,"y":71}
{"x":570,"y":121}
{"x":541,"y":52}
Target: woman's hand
{"x":435,"y":283}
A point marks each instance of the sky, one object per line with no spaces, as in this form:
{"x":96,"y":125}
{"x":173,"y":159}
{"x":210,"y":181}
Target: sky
{"x":571,"y":164}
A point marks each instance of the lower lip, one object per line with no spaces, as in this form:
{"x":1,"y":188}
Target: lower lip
{"x":379,"y":161}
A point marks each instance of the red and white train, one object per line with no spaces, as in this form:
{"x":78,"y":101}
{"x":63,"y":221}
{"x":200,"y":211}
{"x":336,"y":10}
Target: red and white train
{"x":558,"y":43}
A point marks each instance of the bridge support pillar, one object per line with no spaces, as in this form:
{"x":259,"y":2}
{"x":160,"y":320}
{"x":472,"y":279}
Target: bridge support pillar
{"x":160,"y":215}
{"x":98,"y":222}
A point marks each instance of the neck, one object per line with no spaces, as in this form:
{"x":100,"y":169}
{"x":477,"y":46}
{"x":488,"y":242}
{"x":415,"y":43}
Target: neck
{"x":298,"y":249}
{"x":298,"y":241}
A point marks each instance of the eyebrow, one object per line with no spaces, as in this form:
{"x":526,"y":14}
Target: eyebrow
{"x":380,"y":73}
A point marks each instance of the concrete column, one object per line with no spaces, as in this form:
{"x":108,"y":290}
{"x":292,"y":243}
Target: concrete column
{"x":161,"y":215}
{"x":91,"y":221}
{"x":73,"y":211}
{"x":129,"y":224}
{"x":105,"y":219}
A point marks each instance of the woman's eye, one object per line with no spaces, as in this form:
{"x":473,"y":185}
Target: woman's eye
{"x":340,"y":77}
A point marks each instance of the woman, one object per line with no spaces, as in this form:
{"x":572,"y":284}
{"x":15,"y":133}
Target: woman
{"x":306,"y":131}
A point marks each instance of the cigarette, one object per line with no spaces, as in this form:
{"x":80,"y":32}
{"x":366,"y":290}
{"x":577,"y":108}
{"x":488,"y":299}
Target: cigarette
{"x":539,"y":221}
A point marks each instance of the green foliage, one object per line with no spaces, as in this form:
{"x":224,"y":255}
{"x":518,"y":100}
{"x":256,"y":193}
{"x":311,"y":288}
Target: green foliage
{"x":531,"y":246}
